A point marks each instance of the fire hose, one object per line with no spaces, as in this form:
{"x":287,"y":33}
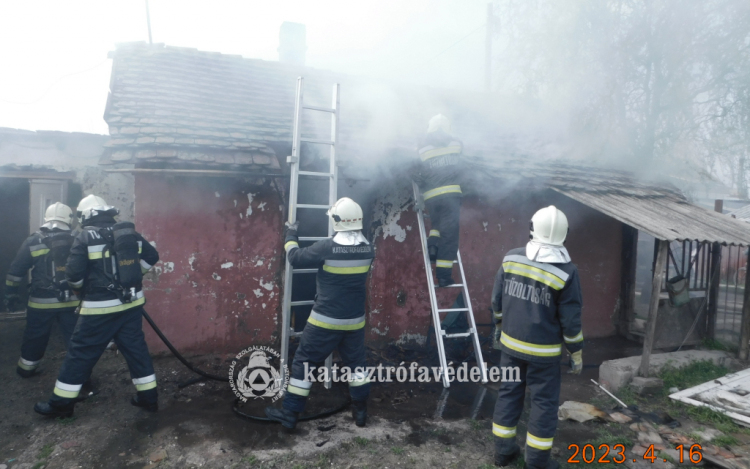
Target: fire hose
{"x":225,"y":379}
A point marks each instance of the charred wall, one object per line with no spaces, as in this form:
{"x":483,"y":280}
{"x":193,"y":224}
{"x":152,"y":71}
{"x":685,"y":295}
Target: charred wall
{"x":490,"y":226}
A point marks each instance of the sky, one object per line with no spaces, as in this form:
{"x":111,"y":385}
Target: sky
{"x":54,"y":70}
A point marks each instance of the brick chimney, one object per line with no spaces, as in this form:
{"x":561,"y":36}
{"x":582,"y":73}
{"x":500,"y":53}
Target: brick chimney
{"x":292,"y":43}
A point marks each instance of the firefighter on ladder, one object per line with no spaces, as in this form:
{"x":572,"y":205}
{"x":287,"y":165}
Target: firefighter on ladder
{"x":537,"y":301}
{"x":106,"y":263}
{"x":50,"y":299}
{"x":337,"y":319}
{"x":440,"y":154}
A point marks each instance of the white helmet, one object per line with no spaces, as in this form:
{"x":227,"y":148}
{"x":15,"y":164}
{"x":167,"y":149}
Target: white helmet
{"x":346,"y":215}
{"x":92,"y":206}
{"x":58,"y":212}
{"x":549,"y":225}
{"x":439,"y":122}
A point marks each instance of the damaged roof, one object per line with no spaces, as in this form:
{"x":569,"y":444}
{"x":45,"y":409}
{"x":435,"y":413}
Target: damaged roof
{"x":180,"y":105}
{"x":656,"y":208}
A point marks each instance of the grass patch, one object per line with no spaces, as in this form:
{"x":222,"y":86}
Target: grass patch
{"x":725,"y":440}
{"x":39,"y":465}
{"x":362,"y":442}
{"x":45,"y":452}
{"x":713,"y":344}
{"x":397,"y":450}
{"x":475,"y":425}
{"x":691,"y":375}
{"x":251,"y":460}
{"x":716,"y":419}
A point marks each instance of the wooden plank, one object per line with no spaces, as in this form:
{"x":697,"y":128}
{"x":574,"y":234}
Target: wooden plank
{"x":745,"y":331}
{"x":653,"y":308}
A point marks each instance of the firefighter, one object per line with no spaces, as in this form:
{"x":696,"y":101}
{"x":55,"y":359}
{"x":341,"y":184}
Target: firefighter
{"x":537,"y":296}
{"x":50,"y":298}
{"x":106,"y":265}
{"x":337,"y":319}
{"x":441,"y":154}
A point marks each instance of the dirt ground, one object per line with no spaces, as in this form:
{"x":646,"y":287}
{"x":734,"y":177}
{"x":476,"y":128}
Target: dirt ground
{"x":196,"y":426}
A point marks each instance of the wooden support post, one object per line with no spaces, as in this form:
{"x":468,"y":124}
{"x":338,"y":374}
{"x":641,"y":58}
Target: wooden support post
{"x":653,"y":307}
{"x":713,"y":290}
{"x":627,"y":280}
{"x":745,"y":331}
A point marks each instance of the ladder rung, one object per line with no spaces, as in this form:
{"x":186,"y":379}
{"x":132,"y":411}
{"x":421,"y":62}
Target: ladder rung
{"x":317,"y":108}
{"x":302,"y":303}
{"x":455,"y":285}
{"x":459,"y":334}
{"x":312,"y":238}
{"x":326,"y":207}
{"x":305,"y":271}
{"x":451,"y":309}
{"x":317,"y":140}
{"x":313,"y":173}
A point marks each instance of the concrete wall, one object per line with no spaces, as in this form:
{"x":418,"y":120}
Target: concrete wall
{"x":399,"y":302}
{"x":217,"y":286}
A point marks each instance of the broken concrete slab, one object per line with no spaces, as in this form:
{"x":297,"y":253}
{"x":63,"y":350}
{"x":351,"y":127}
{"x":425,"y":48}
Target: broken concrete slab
{"x":620,"y":417}
{"x":579,"y":411}
{"x":616,"y":374}
{"x":646,"y":386}
{"x":650,"y":438}
{"x":708,"y":434}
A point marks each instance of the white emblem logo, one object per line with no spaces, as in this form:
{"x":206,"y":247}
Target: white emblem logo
{"x":260,"y":378}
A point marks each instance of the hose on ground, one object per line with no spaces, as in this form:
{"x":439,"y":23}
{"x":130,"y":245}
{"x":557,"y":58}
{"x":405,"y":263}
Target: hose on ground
{"x":179,"y":356}
{"x":302,"y":418}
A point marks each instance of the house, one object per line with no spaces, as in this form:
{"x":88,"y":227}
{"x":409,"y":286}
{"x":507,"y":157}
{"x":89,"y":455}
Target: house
{"x":40,"y":168}
{"x":206,"y":136}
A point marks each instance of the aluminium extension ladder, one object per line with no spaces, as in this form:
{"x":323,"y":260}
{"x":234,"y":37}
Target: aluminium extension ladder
{"x":440,"y":333}
{"x":287,"y":331}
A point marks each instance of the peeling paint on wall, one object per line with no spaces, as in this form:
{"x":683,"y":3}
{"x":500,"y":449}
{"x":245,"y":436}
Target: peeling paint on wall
{"x":168,"y":267}
{"x":216,"y":276}
{"x":227,"y":265}
{"x":191,"y":259}
{"x":250,"y":203}
{"x":387,"y":213}
{"x":405,"y":338}
{"x":268,"y":286}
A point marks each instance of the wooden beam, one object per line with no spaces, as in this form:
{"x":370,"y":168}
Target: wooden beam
{"x":37,"y":175}
{"x":745,"y":331}
{"x":197,"y":172}
{"x":713,"y":290}
{"x":627,"y":278}
{"x":653,"y":307}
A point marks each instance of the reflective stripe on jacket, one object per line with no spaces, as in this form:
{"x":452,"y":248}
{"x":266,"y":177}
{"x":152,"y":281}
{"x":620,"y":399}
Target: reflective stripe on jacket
{"x":341,"y":280}
{"x":440,"y":154}
{"x":540,"y":305}
{"x":33,"y":255}
{"x":86,"y":269}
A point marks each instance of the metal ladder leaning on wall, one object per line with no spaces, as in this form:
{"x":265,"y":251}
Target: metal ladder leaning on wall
{"x":287,"y":331}
{"x":440,"y":333}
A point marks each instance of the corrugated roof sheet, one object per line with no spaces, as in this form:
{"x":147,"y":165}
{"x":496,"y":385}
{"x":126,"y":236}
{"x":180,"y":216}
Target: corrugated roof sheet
{"x":658,"y":209}
{"x":742,"y":213}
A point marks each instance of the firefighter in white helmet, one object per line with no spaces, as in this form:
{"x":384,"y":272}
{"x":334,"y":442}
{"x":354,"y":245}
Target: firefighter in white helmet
{"x":337,"y":319}
{"x":440,"y":155}
{"x":106,"y":263}
{"x":537,"y":302}
{"x":50,"y":299}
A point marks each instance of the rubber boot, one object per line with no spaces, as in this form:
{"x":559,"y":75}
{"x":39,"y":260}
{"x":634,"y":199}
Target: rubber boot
{"x":149,"y":406}
{"x":445,"y":282}
{"x":286,"y":418}
{"x":359,"y":413}
{"x":44,"y":408}
{"x":27,"y":373}
{"x":502,"y":460}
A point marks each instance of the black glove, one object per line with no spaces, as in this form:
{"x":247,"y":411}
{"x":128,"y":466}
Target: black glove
{"x":291,"y":228}
{"x":63,"y":291}
{"x":12,"y":302}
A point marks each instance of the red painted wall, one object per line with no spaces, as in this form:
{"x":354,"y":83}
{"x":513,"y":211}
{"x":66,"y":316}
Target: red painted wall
{"x":399,"y":303}
{"x":216,"y":288}
{"x":204,"y":304}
